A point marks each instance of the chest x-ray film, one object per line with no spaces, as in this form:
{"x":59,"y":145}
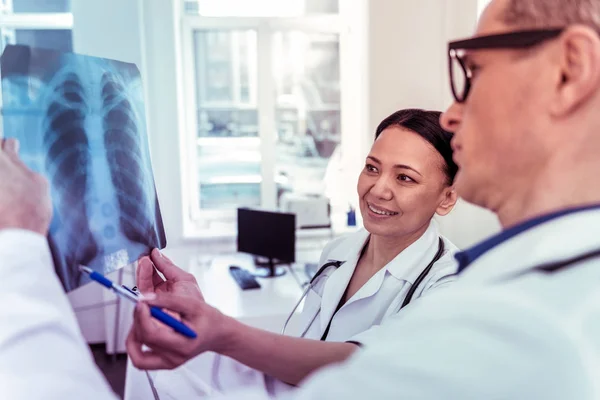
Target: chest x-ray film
{"x":81,"y":123}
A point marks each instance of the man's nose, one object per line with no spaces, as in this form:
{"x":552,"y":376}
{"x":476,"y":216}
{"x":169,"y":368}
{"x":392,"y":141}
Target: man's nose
{"x":452,"y":117}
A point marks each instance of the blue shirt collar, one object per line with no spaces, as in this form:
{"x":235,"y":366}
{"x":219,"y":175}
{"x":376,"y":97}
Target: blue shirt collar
{"x":465,"y":258}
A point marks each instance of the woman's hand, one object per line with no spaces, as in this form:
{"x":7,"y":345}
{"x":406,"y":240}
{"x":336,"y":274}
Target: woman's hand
{"x":176,"y":280}
{"x":179,"y":294}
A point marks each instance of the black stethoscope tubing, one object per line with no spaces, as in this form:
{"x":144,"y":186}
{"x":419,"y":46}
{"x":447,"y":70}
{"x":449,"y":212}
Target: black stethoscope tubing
{"x":337,"y":264}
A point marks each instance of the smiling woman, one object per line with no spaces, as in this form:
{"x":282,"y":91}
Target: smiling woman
{"x":407,"y":179}
{"x":364,"y":278}
{"x":408,"y":175}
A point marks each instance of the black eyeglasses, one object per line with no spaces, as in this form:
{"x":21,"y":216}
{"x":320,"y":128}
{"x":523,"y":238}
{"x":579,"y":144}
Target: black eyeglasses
{"x":461,"y":75}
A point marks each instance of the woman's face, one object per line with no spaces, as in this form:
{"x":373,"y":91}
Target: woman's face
{"x":403,"y":184}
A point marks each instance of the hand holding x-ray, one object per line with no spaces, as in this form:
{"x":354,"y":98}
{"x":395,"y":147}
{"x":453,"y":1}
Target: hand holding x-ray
{"x":81,"y":124}
{"x":25,"y":200}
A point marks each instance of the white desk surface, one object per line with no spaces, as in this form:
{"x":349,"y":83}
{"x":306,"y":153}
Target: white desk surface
{"x":267,"y":307}
{"x":276,"y":296}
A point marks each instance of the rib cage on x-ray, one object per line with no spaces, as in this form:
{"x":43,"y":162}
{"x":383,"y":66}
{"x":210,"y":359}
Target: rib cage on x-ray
{"x":81,"y":124}
{"x":68,"y":165}
{"x":121,"y":140}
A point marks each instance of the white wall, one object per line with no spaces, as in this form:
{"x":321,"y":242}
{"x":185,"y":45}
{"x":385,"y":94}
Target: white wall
{"x":406,"y":54}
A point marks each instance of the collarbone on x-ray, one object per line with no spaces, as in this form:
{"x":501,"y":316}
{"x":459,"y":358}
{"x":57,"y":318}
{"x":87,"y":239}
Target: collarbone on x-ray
{"x":93,"y":149}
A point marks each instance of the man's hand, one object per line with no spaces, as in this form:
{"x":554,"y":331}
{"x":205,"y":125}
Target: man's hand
{"x":180,"y":294}
{"x":24,"y":195}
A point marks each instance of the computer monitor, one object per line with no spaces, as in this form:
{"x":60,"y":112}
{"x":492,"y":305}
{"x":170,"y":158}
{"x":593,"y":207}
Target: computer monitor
{"x":268,"y":234}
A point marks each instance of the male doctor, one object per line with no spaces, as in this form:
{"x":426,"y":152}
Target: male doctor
{"x":523,"y":320}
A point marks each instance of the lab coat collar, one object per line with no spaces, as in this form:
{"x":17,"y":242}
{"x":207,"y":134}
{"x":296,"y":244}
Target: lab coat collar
{"x":406,"y":266}
{"x":559,"y":238}
{"x":350,"y":247}
{"x":465,"y":258}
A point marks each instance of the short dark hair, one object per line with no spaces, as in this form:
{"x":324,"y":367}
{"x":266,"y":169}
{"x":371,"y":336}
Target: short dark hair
{"x":427,"y":125}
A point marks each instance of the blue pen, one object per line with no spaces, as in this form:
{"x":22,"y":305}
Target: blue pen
{"x":156,"y":312}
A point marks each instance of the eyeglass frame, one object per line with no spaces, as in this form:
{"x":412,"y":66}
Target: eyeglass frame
{"x":512,"y":40}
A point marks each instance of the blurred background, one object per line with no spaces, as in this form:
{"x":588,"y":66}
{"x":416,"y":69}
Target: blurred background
{"x":251,"y":101}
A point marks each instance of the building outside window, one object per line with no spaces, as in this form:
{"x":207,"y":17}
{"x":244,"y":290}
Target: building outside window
{"x":262,"y":82}
{"x":36,"y":23}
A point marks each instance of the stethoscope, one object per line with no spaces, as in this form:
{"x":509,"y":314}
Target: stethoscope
{"x":311,"y":284}
{"x":336,"y":265}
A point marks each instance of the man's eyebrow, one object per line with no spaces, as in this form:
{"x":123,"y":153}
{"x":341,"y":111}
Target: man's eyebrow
{"x":403,"y":166}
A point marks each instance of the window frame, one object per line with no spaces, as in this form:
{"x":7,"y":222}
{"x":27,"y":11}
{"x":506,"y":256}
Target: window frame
{"x":30,"y":21}
{"x":36,"y":21}
{"x":198,"y":221}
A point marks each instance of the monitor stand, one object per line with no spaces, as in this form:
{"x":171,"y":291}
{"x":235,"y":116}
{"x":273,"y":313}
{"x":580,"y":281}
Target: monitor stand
{"x":267,"y":269}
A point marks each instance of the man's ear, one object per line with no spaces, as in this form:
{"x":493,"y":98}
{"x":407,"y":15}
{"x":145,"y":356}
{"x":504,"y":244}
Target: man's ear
{"x":449,"y":198}
{"x":579,"y":74}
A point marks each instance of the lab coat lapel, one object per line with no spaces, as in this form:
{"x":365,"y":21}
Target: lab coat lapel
{"x":410,"y":263}
{"x":405,"y":267}
{"x":368,"y":289}
{"x":338,"y":281}
{"x":530,"y":248}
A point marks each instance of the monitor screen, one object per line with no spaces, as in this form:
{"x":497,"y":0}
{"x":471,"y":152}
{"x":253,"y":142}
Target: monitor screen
{"x":267,"y":234}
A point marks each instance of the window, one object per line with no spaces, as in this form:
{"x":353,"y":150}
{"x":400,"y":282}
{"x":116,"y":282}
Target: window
{"x":262,"y":82}
{"x":260,"y":8}
{"x":307,"y":86}
{"x":227,"y":137}
{"x":36,"y":23}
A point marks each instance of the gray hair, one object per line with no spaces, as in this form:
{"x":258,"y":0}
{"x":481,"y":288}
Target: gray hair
{"x":536,"y":14}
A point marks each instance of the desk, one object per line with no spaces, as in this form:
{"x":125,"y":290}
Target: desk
{"x":266,"y":308}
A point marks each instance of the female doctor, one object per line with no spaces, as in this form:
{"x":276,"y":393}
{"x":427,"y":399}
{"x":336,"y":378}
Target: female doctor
{"x":365,"y":278}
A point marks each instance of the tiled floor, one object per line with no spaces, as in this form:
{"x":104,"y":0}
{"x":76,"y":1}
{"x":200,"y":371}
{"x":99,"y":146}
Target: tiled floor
{"x":113,"y":369}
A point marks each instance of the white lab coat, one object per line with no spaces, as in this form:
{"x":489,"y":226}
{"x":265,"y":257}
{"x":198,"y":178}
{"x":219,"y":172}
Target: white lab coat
{"x":500,"y":332}
{"x":380,"y":298}
{"x":42,"y":352}
{"x":492,"y":335}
